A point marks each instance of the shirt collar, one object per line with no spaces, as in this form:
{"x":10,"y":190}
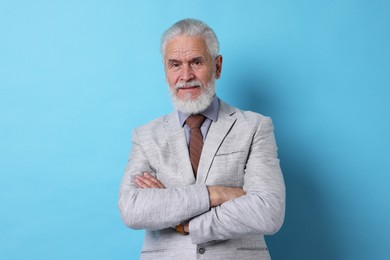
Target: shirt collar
{"x":211,"y":112}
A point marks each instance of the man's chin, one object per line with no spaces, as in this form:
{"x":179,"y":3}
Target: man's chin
{"x":188,"y":96}
{"x":192,"y":105}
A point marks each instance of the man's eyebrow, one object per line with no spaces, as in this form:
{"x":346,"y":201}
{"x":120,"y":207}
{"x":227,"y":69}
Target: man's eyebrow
{"x":173,"y":61}
{"x":170,"y":61}
{"x":196,"y":58}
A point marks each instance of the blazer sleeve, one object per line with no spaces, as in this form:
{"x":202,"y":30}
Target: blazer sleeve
{"x":261,"y":210}
{"x":155,"y":209}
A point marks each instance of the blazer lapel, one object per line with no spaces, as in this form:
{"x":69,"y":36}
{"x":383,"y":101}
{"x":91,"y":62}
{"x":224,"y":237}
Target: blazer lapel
{"x":178,"y":146}
{"x":215,"y":136}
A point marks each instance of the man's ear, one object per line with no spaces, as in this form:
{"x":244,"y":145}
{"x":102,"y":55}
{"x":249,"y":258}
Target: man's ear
{"x":218,"y":66}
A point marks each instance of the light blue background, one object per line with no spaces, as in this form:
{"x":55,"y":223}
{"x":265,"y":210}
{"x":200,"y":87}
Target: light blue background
{"x":77,"y":76}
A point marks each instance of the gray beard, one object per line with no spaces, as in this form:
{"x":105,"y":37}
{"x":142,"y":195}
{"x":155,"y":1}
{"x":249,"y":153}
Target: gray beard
{"x":194,"y":106}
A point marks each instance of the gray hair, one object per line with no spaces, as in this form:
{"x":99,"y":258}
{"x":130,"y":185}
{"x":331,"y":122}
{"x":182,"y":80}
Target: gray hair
{"x":192,"y":27}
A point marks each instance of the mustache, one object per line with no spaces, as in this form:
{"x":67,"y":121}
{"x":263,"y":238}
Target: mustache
{"x":192,"y":83}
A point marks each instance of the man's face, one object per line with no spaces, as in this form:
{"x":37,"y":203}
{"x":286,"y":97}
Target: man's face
{"x":187,"y":63}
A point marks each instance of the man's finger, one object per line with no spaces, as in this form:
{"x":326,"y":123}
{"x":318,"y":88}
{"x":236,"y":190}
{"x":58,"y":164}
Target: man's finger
{"x":148,"y":181}
{"x":154,"y":180}
{"x":140,"y":183}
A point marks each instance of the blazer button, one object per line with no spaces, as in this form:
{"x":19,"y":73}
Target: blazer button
{"x":201,"y":250}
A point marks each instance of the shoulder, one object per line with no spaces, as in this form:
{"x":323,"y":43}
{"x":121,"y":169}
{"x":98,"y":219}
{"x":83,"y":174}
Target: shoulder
{"x":247,"y":127}
{"x":156,"y":127}
{"x":245,"y":117}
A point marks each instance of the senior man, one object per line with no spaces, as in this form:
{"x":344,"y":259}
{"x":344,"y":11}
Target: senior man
{"x":203,"y":181}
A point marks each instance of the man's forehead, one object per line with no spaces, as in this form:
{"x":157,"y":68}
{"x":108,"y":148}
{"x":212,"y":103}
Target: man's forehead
{"x":184,"y":54}
{"x":185,"y":47}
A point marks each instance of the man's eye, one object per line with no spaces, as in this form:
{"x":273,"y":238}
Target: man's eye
{"x":197,"y":63}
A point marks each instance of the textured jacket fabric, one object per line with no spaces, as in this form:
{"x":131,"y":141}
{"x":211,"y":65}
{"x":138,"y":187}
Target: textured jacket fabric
{"x":239,"y":151}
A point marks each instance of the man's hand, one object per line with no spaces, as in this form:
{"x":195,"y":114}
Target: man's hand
{"x":218,"y":194}
{"x":187,"y":227}
{"x":146,"y":181}
{"x":221,"y":194}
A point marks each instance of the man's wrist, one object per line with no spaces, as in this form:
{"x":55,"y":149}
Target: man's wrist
{"x":220,"y":194}
{"x":213,"y":195}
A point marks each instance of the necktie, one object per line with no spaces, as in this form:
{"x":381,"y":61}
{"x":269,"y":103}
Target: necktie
{"x":196,"y":139}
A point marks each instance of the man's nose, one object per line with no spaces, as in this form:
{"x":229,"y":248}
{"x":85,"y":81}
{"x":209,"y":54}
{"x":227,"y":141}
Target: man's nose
{"x":187,"y":73}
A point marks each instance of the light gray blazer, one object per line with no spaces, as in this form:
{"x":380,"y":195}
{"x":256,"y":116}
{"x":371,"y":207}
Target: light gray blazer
{"x":239,"y":151}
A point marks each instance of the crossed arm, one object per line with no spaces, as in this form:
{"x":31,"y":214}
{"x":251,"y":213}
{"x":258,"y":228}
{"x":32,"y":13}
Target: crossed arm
{"x":217,"y":194}
{"x":215,"y":212}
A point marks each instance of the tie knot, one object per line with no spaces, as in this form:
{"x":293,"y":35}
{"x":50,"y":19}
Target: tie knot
{"x":195,"y":121}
